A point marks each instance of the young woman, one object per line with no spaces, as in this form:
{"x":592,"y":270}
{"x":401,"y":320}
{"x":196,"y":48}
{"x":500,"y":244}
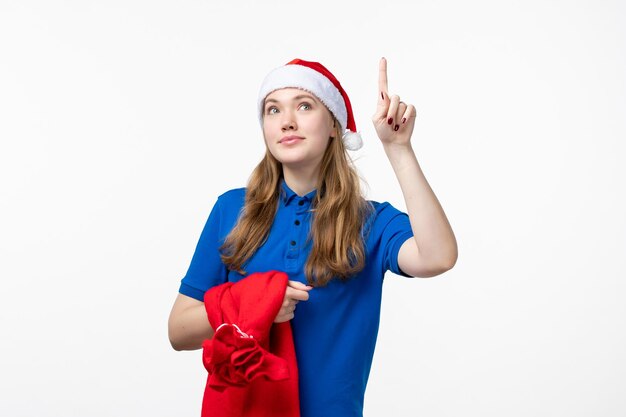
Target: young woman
{"x":303,"y":213}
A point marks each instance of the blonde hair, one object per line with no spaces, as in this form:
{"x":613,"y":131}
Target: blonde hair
{"x":339,"y":216}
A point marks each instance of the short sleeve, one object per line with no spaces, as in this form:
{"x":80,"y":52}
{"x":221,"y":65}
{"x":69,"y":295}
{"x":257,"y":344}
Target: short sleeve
{"x":207,"y":269}
{"x":394,"y":228}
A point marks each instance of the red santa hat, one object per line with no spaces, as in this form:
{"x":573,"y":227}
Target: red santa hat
{"x":316,"y":79}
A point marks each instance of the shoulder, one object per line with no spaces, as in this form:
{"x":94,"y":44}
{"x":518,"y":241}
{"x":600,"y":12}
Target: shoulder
{"x":226,"y":210}
{"x":233,"y":197}
{"x":381,"y":211}
{"x":233,"y":193}
{"x":378,"y":205}
{"x":228,"y":204}
{"x":383,"y":217}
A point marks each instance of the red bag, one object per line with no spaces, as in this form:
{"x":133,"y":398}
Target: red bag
{"x":251,"y":360}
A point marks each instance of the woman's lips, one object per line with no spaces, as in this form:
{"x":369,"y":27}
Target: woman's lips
{"x":287,"y":140}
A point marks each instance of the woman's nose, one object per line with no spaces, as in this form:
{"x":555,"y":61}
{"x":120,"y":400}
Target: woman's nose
{"x":288,"y":122}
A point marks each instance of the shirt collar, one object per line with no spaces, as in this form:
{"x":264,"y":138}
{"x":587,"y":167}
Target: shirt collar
{"x":287,"y":195}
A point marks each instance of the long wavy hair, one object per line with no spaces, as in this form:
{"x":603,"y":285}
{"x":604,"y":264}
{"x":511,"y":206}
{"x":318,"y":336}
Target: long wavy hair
{"x":339,"y":216}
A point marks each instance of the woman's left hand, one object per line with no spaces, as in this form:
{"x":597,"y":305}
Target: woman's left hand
{"x":394,"y":120}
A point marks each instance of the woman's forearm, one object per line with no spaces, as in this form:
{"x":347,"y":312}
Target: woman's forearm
{"x":433,"y":233}
{"x":188,"y":327}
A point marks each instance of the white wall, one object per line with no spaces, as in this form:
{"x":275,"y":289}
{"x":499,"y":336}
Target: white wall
{"x":121,"y":122}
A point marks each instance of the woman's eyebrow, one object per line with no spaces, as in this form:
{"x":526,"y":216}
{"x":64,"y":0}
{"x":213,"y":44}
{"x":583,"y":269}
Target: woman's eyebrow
{"x":298,"y":97}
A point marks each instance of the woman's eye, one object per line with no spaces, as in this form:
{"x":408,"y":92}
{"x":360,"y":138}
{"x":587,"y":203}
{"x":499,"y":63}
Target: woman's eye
{"x":271,"y":110}
{"x":307,"y":105}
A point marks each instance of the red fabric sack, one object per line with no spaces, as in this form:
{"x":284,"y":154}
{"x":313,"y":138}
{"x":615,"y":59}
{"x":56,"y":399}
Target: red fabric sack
{"x":251,"y":360}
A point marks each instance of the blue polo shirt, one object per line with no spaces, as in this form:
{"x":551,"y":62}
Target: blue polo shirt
{"x":335,"y":330}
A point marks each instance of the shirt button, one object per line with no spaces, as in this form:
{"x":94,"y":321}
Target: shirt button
{"x":301,"y":202}
{"x":293,"y":243}
{"x":297,"y":222}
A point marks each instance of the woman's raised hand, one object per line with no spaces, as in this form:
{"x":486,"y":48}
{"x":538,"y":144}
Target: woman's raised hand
{"x":296,"y":292}
{"x":393,"y":120}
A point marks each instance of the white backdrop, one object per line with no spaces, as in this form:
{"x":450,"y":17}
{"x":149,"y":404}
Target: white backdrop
{"x":122,"y":121}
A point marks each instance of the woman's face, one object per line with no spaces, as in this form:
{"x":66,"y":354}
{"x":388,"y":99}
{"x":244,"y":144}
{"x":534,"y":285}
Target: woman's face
{"x":297,"y":127}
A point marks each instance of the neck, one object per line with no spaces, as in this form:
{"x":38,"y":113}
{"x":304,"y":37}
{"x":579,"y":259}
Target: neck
{"x":301,"y":180}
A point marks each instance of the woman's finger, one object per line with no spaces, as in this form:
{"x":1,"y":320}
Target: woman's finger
{"x":294,"y":294}
{"x":383,"y":97}
{"x":299,"y":285}
{"x":408,"y":113}
{"x":397,"y":121}
{"x":393,"y":109}
{"x":382,"y":77}
{"x":382,"y":108}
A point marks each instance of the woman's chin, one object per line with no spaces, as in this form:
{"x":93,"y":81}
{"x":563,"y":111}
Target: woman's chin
{"x":291,"y":157}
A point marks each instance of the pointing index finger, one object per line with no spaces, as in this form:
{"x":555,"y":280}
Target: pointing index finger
{"x":382,"y":75}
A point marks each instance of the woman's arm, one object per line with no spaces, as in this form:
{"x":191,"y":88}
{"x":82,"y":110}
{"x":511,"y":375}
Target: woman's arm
{"x":188,"y":325}
{"x":433,"y":250}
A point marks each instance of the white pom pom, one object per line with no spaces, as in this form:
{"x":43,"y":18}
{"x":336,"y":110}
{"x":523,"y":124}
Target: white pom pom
{"x":352,"y":140}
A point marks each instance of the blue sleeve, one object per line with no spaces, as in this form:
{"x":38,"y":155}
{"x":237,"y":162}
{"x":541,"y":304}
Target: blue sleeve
{"x":206,"y":269}
{"x":394,"y":228}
